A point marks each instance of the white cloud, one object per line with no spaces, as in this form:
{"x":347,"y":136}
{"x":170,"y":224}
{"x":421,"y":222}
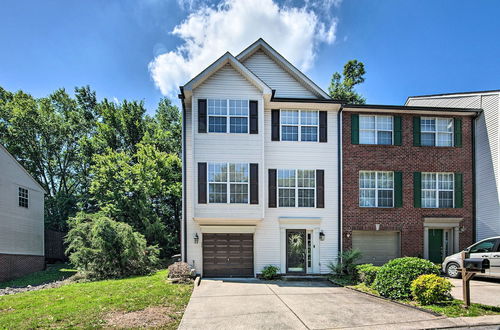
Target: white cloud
{"x":208,"y":32}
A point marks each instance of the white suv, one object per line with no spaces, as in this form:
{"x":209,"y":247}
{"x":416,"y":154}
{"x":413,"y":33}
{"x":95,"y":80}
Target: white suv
{"x":487,"y":248}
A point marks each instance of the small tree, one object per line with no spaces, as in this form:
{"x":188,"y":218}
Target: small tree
{"x":343,"y":89}
{"x":100,"y":248}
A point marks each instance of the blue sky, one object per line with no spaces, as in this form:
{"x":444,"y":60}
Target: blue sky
{"x":117,"y":47}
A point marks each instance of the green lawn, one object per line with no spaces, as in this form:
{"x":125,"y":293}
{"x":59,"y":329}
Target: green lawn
{"x":85,"y":304}
{"x":53,"y":273}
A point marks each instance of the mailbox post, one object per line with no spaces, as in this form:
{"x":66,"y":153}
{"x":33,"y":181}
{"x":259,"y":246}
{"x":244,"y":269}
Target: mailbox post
{"x":470,"y":267}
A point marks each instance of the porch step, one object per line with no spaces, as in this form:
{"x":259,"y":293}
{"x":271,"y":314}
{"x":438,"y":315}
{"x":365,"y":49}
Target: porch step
{"x":305,"y":278}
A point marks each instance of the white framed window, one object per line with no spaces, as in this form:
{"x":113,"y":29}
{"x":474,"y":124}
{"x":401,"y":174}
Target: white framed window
{"x":23,"y":195}
{"x":376,"y":129}
{"x":376,"y":189}
{"x":438,"y":190}
{"x":296,"y":188}
{"x":228,"y":183}
{"x":299,"y":125}
{"x":227,"y":116}
{"x":436,"y":131}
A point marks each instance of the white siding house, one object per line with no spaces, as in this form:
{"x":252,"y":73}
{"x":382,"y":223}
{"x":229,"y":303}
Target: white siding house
{"x":21,"y":220}
{"x":487,"y":153}
{"x":235,"y":220}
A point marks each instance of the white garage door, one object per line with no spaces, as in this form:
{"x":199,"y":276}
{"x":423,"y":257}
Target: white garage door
{"x":377,"y":247}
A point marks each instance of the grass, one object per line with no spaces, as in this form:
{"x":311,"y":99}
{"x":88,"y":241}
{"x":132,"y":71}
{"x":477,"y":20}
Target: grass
{"x":365,"y":288}
{"x":53,"y":273}
{"x":343,"y":280}
{"x":85,"y":304}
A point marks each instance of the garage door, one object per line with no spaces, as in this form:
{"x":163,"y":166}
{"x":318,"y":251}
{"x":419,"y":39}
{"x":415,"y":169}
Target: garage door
{"x":227,"y":255}
{"x":377,"y":247}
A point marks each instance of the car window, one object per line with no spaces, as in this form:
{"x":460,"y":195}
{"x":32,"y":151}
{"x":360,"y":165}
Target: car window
{"x":498,"y":246}
{"x":486,"y":246}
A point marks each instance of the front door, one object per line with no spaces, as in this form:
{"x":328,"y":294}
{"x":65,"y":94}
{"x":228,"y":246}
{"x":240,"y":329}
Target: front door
{"x":296,"y":251}
{"x":436,"y":245}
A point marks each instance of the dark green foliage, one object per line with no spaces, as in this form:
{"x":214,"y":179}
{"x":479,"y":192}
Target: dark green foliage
{"x":347,"y":265}
{"x":353,"y":75}
{"x":101,"y":248}
{"x":367,"y":273}
{"x":270,"y":272}
{"x":394,"y":279}
{"x":431,"y":289}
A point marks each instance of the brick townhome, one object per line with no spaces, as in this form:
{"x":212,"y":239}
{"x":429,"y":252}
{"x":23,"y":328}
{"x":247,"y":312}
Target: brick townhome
{"x":401,"y":196}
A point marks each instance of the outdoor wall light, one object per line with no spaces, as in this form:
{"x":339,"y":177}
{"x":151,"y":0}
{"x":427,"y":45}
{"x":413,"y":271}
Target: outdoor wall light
{"x":321,"y":236}
{"x":196,"y":238}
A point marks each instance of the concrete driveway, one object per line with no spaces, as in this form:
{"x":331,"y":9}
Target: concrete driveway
{"x":482,"y":290}
{"x":254,"y":304}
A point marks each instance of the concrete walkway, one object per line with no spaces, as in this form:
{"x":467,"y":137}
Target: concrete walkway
{"x":482,"y":290}
{"x":254,"y":304}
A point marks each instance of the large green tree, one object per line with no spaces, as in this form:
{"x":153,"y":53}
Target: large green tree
{"x":342,"y":85}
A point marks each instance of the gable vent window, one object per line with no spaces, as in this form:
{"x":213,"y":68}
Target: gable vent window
{"x":299,"y":125}
{"x":23,"y":197}
{"x":227,"y":116}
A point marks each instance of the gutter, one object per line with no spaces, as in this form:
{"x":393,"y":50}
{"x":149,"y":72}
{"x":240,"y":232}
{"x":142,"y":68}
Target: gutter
{"x":184,"y":198}
{"x":340,"y":178}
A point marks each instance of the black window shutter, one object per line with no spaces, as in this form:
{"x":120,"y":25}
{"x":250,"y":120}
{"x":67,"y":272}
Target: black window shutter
{"x":272,"y":188}
{"x":398,"y":131}
{"x":323,"y":126}
{"x":354,"y":128}
{"x":320,"y":188}
{"x":202,"y":183}
{"x":459,"y":194}
{"x":202,"y":115}
{"x":457,"y":125}
{"x":417,"y":189}
{"x":398,"y":189}
{"x":416,"y":131}
{"x":254,"y":183}
{"x":254,"y":117}
{"x":275,"y":125}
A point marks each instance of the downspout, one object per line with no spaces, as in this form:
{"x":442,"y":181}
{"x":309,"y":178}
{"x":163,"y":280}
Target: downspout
{"x":340,"y":185}
{"x":184,"y":206}
{"x":474,"y":175}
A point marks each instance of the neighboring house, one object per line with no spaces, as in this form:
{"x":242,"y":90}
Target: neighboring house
{"x":407,"y":181}
{"x":21,"y":220}
{"x":260,"y":154}
{"x":487,"y":153}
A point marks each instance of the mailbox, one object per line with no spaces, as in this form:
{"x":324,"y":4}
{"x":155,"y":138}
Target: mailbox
{"x":476,"y":264}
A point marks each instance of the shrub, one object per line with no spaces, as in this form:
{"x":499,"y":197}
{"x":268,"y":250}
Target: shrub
{"x":367,"y":273}
{"x":101,"y":248}
{"x":347,"y":264}
{"x":394,"y":279}
{"x":270,"y":272}
{"x":180,"y":271}
{"x":430,"y":289}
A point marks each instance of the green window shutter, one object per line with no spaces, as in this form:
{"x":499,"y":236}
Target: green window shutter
{"x":416,"y":131}
{"x":457,"y":125}
{"x":355,"y":128}
{"x":398,"y":189}
{"x":398,"y":134}
{"x":459,"y":194}
{"x":417,"y":189}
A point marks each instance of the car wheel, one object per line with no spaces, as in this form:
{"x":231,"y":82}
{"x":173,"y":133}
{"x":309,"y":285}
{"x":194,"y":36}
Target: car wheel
{"x":452,"y":270}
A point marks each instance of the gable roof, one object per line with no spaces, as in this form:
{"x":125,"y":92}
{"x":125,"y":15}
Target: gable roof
{"x":22,"y":168}
{"x":227,"y":58}
{"x":260,"y":44}
{"x":454,"y":94}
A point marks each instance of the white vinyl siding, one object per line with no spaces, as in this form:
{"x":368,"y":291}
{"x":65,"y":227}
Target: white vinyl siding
{"x":276,"y":77}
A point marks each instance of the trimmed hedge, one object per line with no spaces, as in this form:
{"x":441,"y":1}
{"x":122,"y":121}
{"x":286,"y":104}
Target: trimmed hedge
{"x":367,"y":273}
{"x":394,"y":279}
{"x":430,"y":289}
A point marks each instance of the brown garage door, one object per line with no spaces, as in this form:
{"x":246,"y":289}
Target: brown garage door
{"x":227,"y":255}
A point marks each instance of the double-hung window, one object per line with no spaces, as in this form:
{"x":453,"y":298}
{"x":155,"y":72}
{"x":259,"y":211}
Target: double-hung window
{"x":436,"y":131}
{"x":437,"y":190}
{"x":227,"y":116}
{"x":228,"y":183}
{"x":23,"y":197}
{"x":299,"y":125}
{"x":376,"y":189}
{"x":375,"y":129}
{"x":296,"y":188}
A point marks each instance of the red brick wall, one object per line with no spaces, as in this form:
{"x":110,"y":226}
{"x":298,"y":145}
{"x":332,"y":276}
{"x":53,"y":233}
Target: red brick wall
{"x":407,"y":159}
{"x":14,"y":265}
